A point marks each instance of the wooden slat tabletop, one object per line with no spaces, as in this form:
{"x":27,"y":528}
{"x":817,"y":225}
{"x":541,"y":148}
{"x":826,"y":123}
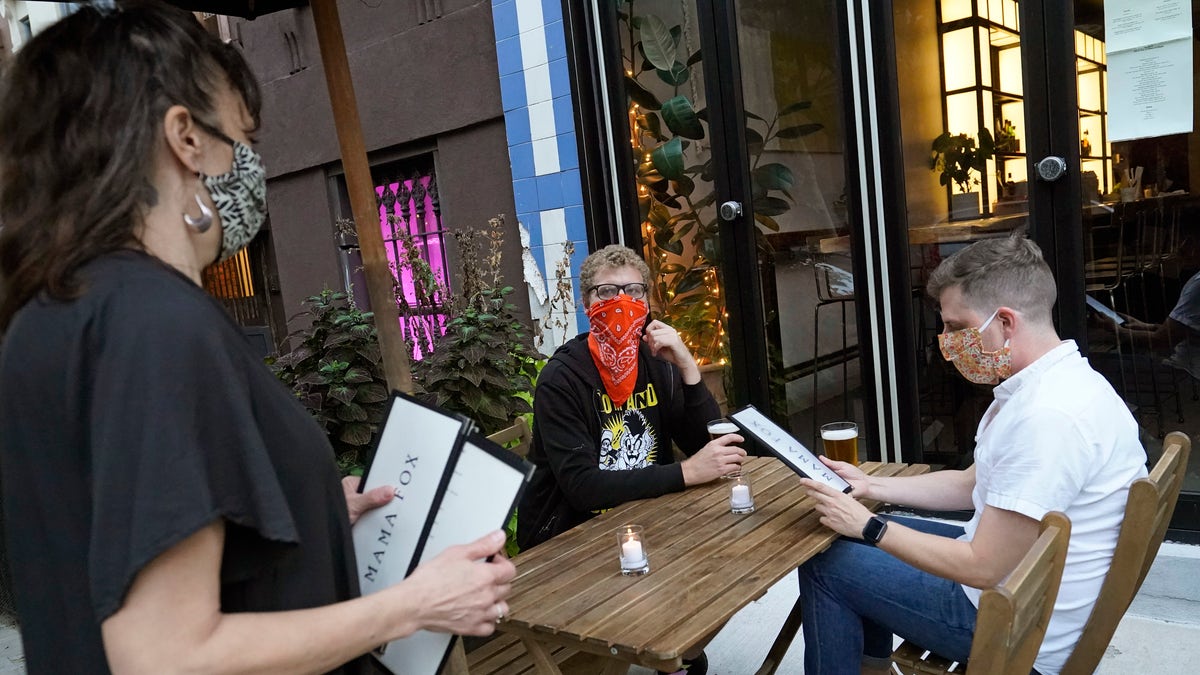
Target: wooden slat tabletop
{"x":705,"y":565}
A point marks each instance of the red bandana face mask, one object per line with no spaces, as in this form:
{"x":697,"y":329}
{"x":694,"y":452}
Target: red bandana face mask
{"x":613,"y":341}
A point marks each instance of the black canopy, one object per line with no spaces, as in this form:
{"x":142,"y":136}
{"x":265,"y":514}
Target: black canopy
{"x":245,"y":8}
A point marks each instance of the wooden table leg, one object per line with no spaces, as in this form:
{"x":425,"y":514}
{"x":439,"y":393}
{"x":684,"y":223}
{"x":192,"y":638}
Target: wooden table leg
{"x":541,"y":657}
{"x":782,"y":642}
{"x":615,"y":667}
{"x":594,"y":664}
{"x":581,"y":663}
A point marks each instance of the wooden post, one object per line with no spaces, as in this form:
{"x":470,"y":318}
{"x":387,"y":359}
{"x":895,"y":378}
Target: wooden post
{"x":363,"y":204}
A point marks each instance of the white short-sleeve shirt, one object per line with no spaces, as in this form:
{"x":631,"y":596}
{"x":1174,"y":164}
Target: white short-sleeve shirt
{"x":1058,"y":438}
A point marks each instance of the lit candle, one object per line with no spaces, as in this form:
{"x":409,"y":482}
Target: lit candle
{"x":631,"y":553}
{"x":740,"y":496}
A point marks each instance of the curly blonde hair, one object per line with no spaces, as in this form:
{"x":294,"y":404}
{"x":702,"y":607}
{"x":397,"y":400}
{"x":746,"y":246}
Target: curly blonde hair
{"x":611,"y":257}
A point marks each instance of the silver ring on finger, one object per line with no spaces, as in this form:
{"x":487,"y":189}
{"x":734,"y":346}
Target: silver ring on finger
{"x":499,"y":613}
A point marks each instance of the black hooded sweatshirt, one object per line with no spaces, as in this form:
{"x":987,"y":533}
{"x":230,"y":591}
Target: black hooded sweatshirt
{"x":592,"y":455}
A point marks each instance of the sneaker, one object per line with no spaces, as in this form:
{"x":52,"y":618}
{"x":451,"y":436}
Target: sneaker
{"x":696,"y":666}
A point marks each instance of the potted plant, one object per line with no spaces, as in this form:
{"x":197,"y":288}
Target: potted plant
{"x":336,"y":371}
{"x":483,"y":365}
{"x":961,"y":163}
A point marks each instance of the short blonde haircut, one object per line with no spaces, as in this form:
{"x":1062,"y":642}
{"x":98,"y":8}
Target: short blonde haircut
{"x":994,"y":273}
{"x":612,"y":256}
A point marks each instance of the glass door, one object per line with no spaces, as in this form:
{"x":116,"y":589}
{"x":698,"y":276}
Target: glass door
{"x":992,"y":90}
{"x":737,"y":138}
{"x":1136,"y":239}
{"x":964,"y":130}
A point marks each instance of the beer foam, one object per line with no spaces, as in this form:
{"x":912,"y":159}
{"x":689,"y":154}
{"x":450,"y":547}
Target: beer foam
{"x":839,"y":434}
{"x":723,"y":428}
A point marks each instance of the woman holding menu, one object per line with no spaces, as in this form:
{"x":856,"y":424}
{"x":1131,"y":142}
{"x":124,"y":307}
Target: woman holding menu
{"x":169,"y":505}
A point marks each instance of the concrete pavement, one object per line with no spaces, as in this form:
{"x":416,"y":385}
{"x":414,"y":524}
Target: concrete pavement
{"x":12,"y":660}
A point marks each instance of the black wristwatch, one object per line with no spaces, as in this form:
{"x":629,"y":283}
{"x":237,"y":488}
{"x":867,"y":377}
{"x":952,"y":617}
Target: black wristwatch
{"x":873,"y":532}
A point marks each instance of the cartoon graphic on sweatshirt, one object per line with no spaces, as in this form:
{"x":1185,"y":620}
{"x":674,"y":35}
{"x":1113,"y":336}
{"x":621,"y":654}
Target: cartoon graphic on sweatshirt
{"x":627,"y":441}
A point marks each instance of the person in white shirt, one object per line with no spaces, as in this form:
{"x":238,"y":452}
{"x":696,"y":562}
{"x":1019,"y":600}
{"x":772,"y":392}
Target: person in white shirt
{"x":1056,"y":438}
{"x":1178,"y":336}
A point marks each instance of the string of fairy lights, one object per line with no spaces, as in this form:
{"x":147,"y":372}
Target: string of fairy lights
{"x":705,"y":338}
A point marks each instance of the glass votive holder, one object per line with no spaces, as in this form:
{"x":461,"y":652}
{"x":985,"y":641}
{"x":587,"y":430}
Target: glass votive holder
{"x":719,"y":427}
{"x":741,"y":497}
{"x":632,"y":549}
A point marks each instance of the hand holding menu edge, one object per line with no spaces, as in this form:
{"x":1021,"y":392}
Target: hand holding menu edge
{"x":841,"y":512}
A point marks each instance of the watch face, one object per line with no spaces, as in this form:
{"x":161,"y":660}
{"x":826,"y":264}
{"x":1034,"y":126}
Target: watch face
{"x":873,"y":532}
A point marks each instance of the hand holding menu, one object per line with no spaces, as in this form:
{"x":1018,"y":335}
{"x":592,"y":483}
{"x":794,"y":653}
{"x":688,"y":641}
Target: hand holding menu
{"x":793,"y":453}
{"x":452,"y":487}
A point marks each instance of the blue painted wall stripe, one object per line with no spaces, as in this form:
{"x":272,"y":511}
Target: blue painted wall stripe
{"x":535,"y":91}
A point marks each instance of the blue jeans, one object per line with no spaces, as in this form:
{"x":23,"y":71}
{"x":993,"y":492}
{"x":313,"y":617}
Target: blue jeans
{"x":854,"y":597}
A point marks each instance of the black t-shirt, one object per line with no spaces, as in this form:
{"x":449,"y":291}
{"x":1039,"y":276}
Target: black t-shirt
{"x":131,"y":418}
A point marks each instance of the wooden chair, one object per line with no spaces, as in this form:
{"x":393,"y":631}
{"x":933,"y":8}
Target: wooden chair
{"x":1012,"y":617}
{"x":520,"y":432}
{"x":503,"y":653}
{"x":1147,"y":513}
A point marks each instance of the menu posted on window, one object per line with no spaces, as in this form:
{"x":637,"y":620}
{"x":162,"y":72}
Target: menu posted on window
{"x":452,"y":486}
{"x":784,"y":446}
{"x":1149,"y":54}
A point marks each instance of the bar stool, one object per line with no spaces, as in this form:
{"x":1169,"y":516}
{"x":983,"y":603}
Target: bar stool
{"x":1105,"y":270}
{"x":835,"y":286}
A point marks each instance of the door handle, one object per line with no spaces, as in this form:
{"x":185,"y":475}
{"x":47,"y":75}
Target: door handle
{"x":730,"y":211}
{"x":1051,"y":168}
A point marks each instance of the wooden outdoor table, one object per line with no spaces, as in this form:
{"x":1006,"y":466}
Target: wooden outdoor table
{"x":706,"y":564}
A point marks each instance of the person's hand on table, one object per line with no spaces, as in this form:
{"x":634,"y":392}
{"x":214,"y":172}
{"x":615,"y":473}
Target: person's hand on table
{"x":717,"y":458}
{"x":359,"y":503}
{"x":463,"y":590}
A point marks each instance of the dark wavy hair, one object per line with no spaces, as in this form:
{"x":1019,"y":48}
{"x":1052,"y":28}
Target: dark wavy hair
{"x":81,"y":109}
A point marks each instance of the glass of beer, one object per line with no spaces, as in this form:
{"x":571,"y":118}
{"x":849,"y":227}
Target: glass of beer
{"x":721,"y":426}
{"x":841,"y":441}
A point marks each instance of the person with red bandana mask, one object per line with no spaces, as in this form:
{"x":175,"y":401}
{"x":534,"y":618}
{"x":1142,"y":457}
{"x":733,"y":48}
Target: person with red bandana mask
{"x":1056,"y":438}
{"x":610,"y":403}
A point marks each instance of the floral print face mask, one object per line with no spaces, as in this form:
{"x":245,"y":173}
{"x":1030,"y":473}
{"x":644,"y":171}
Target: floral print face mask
{"x":964,"y":348}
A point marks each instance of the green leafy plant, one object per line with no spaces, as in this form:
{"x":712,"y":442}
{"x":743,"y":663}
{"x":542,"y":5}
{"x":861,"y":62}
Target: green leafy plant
{"x":336,"y":371}
{"x":676,"y":195}
{"x":959,"y":159}
{"x":484,"y":365}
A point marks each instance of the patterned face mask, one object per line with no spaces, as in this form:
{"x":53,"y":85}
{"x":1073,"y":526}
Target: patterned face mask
{"x":964,"y":348}
{"x":239,"y":194}
{"x":613,"y":341}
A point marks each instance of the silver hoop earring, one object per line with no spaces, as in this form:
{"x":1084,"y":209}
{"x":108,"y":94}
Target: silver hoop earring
{"x":202,"y":223}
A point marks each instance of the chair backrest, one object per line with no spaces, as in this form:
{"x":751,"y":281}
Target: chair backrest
{"x":519,"y":432}
{"x":1013,"y":616}
{"x":1104,"y":253}
{"x":1147,"y":513}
